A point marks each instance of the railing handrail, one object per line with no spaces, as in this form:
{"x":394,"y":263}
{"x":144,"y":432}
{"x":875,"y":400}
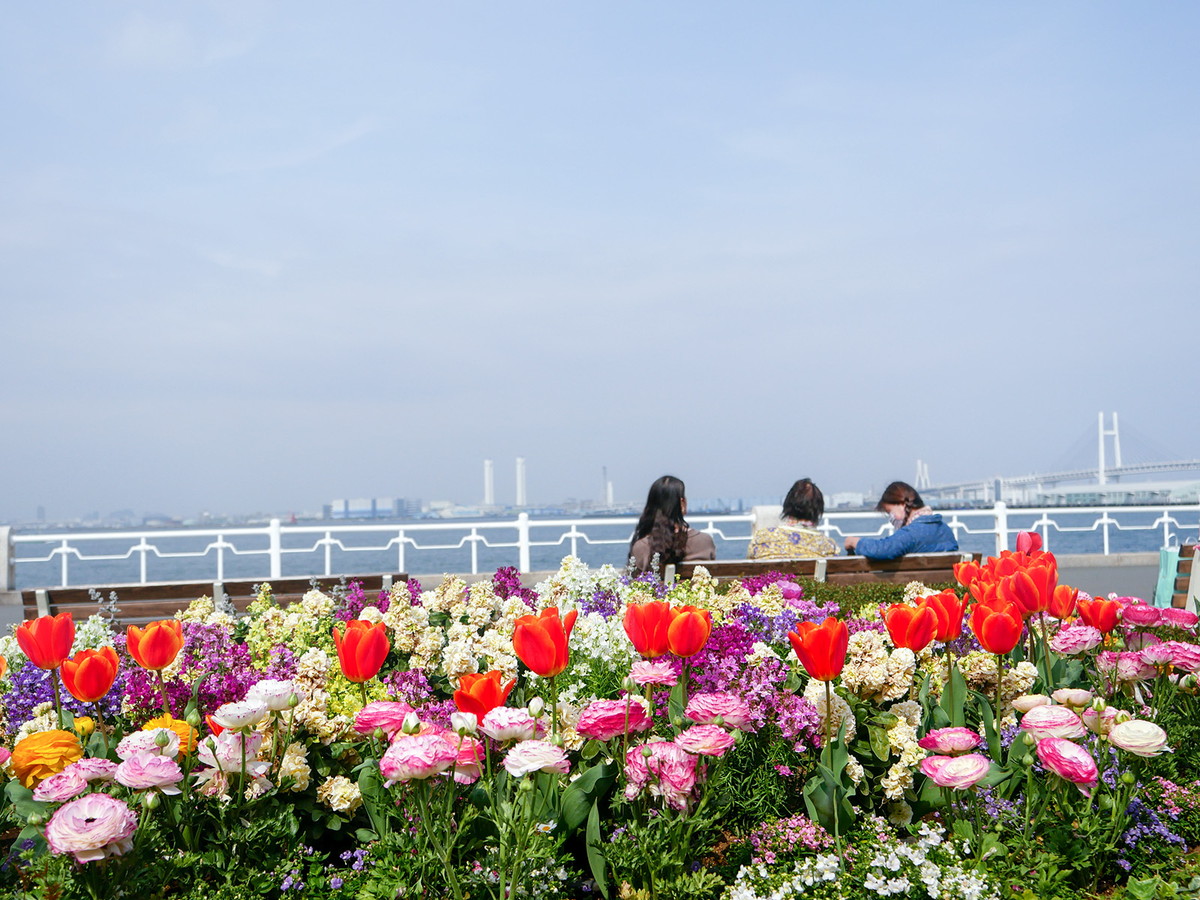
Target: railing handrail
{"x":474,"y":534}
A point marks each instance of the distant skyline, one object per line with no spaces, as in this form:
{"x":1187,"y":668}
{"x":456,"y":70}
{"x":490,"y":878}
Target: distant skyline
{"x":257,"y":254}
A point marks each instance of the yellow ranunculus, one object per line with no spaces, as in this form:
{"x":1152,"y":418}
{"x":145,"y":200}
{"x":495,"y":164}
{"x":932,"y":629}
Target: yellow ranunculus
{"x":43,"y":754}
{"x":84,"y":725}
{"x":187,"y":734}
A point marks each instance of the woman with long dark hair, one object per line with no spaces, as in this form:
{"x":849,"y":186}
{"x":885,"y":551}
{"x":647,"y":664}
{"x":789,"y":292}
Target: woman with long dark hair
{"x":662,"y":536}
{"x":918,"y":528}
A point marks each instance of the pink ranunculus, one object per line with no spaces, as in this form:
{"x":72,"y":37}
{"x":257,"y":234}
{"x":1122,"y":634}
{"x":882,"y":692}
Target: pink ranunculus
{"x":94,"y":769}
{"x":1178,"y":618}
{"x":1100,"y":722}
{"x":1070,"y":762}
{"x":1077,"y":698}
{"x":790,"y":590}
{"x":1185,"y":657}
{"x":734,"y":712}
{"x":1141,"y":615}
{"x":92,"y":827}
{"x":144,"y":771}
{"x":227,"y":750}
{"x":1161,"y":656}
{"x":536,"y":756}
{"x":1076,"y":639}
{"x":147,"y":740}
{"x":706,"y":740}
{"x":668,"y":772}
{"x":1052,"y":721}
{"x":275,"y":694}
{"x":469,"y":753}
{"x":957,"y":772}
{"x":66,"y":785}
{"x":654,"y":671}
{"x":1140,"y":640}
{"x":1124,"y":666}
{"x":951,"y":741}
{"x":5,"y":755}
{"x":241,"y":714}
{"x":603,"y":720}
{"x":1139,"y":737}
{"x":507,"y":724}
{"x":1026,"y":702}
{"x":416,"y":756}
{"x":386,"y":714}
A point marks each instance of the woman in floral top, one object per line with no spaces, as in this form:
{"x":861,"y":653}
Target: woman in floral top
{"x":796,"y":537}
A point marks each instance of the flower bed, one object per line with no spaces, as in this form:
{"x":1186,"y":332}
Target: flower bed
{"x":606,"y":736}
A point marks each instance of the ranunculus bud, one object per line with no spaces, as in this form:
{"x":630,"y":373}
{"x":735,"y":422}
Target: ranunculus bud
{"x":162,"y":738}
{"x":1028,"y":739}
{"x":536,"y":707}
{"x":412,"y":723}
{"x":193,"y":718}
{"x":464,"y":724}
{"x":151,"y":799}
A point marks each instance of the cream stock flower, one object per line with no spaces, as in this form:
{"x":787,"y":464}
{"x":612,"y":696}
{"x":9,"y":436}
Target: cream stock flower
{"x":294,"y":765}
{"x":814,"y":693}
{"x":340,"y":794}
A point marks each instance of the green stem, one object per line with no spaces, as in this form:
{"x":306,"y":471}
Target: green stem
{"x":837,"y":835}
{"x":57,"y":698}
{"x":162,"y":687}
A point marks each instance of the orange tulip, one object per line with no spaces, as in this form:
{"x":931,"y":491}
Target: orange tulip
{"x":541,"y":641}
{"x":47,"y":640}
{"x":910,"y":626}
{"x":362,"y":649}
{"x":156,"y":646}
{"x":89,"y":675}
{"x":646,"y":624}
{"x":821,"y":649}
{"x":480,"y":694}
{"x":948,"y":607}
{"x":967,"y":573}
{"x":1063,"y":601}
{"x":1030,"y":588}
{"x":1102,"y":615}
{"x":997,"y":624}
{"x":689,"y":630}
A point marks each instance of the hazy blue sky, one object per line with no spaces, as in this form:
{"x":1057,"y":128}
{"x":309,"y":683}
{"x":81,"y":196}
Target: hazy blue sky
{"x":259,"y":255}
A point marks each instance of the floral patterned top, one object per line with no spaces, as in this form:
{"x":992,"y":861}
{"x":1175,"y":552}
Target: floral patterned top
{"x":790,"y":542}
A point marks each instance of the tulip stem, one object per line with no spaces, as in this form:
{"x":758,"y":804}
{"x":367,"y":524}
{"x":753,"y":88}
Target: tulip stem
{"x":999,"y":685}
{"x":57,"y":697}
{"x":553,"y":707}
{"x":837,"y":837}
{"x":162,"y":686}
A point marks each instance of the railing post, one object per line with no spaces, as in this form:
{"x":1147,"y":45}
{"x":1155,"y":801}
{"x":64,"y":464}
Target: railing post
{"x":474,"y":551}
{"x":523,"y":565}
{"x":8,"y":556}
{"x":276,"y":537}
{"x":328,"y":553}
{"x":141,"y":549}
{"x":64,"y":550}
{"x":1000,"y":511}
{"x":400,"y":551}
{"x":220,"y":559}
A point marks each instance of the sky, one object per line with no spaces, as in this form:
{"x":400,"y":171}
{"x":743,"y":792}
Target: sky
{"x":256,"y":256}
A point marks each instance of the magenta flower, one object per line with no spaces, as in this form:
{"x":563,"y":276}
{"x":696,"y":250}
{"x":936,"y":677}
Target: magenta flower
{"x":1070,"y":762}
{"x":66,"y":785}
{"x":1052,"y":721}
{"x":603,"y":720}
{"x":951,"y":741}
{"x":706,"y":740}
{"x":386,"y":714}
{"x":528,"y":757}
{"x":1076,"y":639}
{"x":957,"y":772}
{"x":654,"y":671}
{"x":1184,"y":656}
{"x":668,"y":772}
{"x":469,"y":753}
{"x":1124,"y":666}
{"x":705,"y":709}
{"x":1140,"y":614}
{"x":92,"y":827}
{"x":416,"y":756}
{"x":144,"y":771}
{"x":1179,"y":618}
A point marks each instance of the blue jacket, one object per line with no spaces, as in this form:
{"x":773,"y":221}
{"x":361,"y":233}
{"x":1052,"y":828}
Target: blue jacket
{"x":925,"y":534}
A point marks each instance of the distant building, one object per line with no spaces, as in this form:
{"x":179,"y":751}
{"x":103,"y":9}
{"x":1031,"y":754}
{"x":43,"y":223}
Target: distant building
{"x":374,"y":508}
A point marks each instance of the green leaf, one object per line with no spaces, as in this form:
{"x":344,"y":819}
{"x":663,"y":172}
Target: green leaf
{"x":365,"y":835}
{"x":675,"y":703}
{"x":880,"y":745}
{"x":595,"y":856}
{"x":581,"y":794}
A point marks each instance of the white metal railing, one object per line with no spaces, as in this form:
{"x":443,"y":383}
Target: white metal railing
{"x":992,"y":526}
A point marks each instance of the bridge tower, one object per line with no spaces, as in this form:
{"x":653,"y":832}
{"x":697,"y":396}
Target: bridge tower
{"x":923,"y":482}
{"x":1102,"y":433}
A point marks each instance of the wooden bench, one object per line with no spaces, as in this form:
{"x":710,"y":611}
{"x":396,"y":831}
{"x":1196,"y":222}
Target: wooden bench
{"x":138,"y":604}
{"x":1187,"y":579}
{"x":930,"y":568}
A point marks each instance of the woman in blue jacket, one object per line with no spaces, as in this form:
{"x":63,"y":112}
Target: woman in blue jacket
{"x":918,"y":528}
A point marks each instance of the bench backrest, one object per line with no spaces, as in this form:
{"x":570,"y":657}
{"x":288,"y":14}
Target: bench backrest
{"x":141,"y":603}
{"x":931,"y":568}
{"x":1187,"y":579}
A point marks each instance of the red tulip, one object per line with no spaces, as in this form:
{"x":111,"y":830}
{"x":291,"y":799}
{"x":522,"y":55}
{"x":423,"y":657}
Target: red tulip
{"x":967,"y":573}
{"x":821,"y":649}
{"x":541,"y":641}
{"x":997,"y":624}
{"x":1029,"y":542}
{"x":948,"y":607}
{"x":1102,"y":615}
{"x":646,"y":624}
{"x":362,"y":649}
{"x":910,"y":626}
{"x":1063,"y":602}
{"x":1030,"y":588}
{"x":480,"y":694}
{"x":689,"y":630}
{"x":89,"y":675}
{"x":47,"y":640}
{"x":155,"y":646}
